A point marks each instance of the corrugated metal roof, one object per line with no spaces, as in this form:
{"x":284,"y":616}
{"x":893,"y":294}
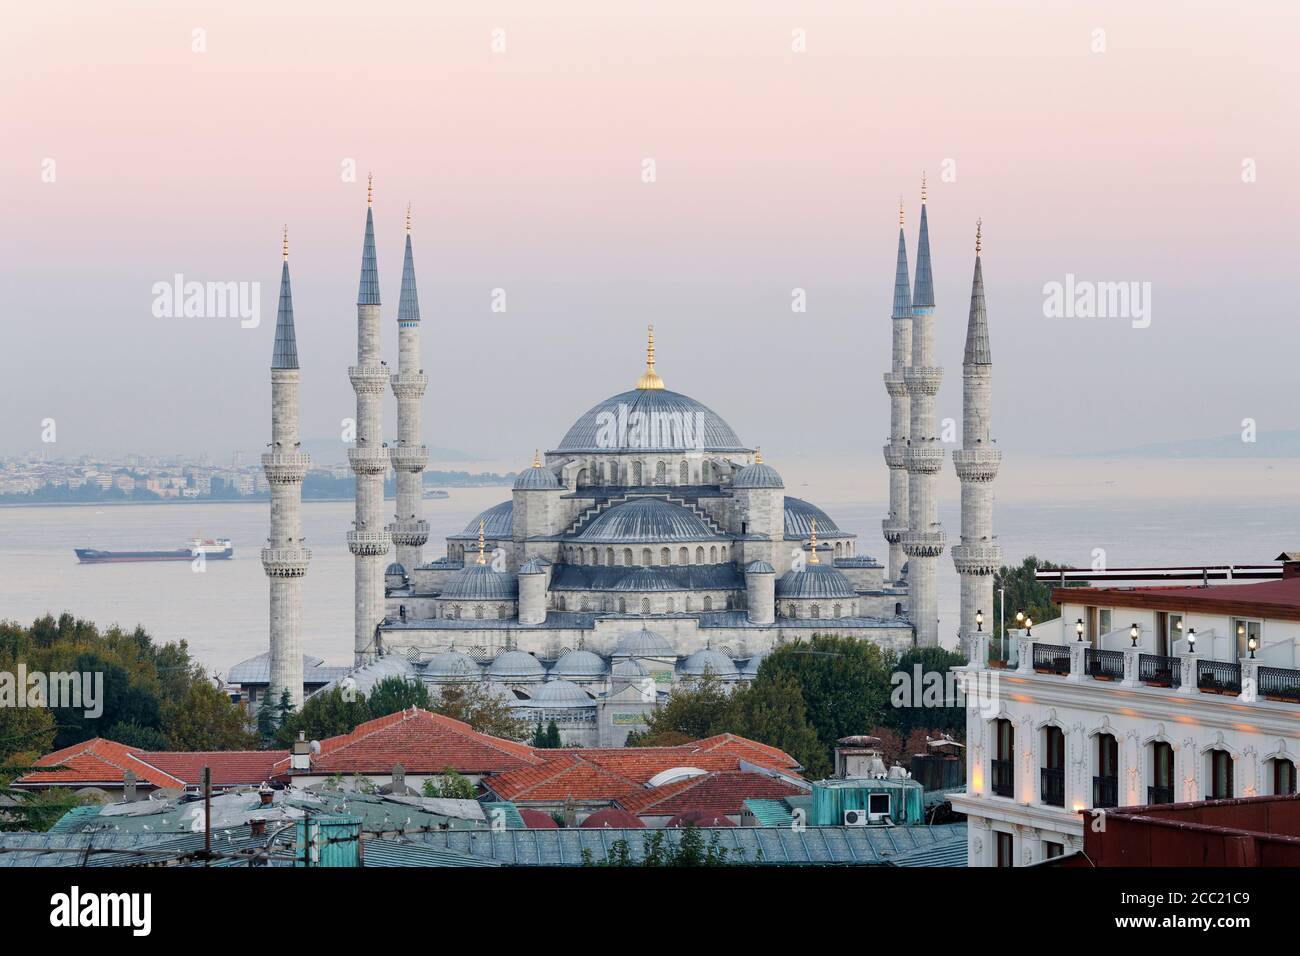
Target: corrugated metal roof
{"x":647,"y":520}
{"x":392,"y":853}
{"x":769,"y":813}
{"x":677,"y":577}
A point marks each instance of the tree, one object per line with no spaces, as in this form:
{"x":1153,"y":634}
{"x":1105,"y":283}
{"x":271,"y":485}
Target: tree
{"x":701,"y":708}
{"x":325,"y":714}
{"x":1024,"y":593}
{"x":397,"y":693}
{"x":486,"y":713}
{"x":553,"y":736}
{"x":134,"y":735}
{"x":450,"y":785}
{"x":657,"y":850}
{"x":772,"y":711}
{"x":539,"y":736}
{"x":928,"y":704}
{"x":204,"y":720}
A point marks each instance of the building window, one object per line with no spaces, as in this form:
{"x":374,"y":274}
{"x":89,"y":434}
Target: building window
{"x":713,"y":554}
{"x":1053,"y":772}
{"x":683,"y":555}
{"x":706,"y":473}
{"x":791,"y":611}
{"x":816,"y":611}
{"x":645,"y":605}
{"x":1105,"y":784}
{"x":627,"y":557}
{"x":1052,"y":850}
{"x":699,"y":555}
{"x":1005,"y":849}
{"x":1004,"y":758}
{"x":622,"y":605}
{"x":665,"y":556}
{"x":708,"y":603}
{"x":582,"y":605}
{"x":559,"y":603}
{"x":609,"y":556}
{"x":723,"y":554}
{"x":1242,"y":632}
{"x":646,"y":558}
{"x":670,"y":606}
{"x":1103,"y":621}
{"x":836,"y":610}
{"x":684,"y":474}
{"x":1161,"y":789}
{"x":1220,"y":775}
{"x":501,"y":613}
{"x":636,"y":472}
{"x":1283,"y":776}
{"x":661,"y":472}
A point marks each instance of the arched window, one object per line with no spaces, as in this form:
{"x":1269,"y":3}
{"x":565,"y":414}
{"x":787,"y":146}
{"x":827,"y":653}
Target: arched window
{"x":723,"y":554}
{"x":791,"y":610}
{"x":478,"y":612}
{"x":501,"y":613}
{"x":645,"y":605}
{"x":713,"y":554}
{"x":1283,"y":776}
{"x":684,"y":474}
{"x":816,"y":610}
{"x":598,"y":471}
{"x":559,"y":603}
{"x":582,"y":476}
{"x":839,"y":548}
{"x":898,"y":609}
{"x":622,"y":605}
{"x":665,"y":556}
{"x":646,"y":558}
{"x":706,"y":473}
{"x":708,"y":603}
{"x":1220,"y":775}
{"x":661,"y":472}
{"x":688,"y":604}
{"x":636,"y":472}
{"x":455,"y":612}
{"x":627,"y":557}
{"x":670,"y":606}
{"x":583,"y":606}
{"x":1105,"y":779}
{"x":683,"y":556}
{"x":836,"y":610}
{"x":699,"y":555}
{"x":609,"y":556}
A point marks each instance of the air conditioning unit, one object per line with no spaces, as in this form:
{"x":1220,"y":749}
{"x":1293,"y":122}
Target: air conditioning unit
{"x":855,"y":818}
{"x":879,"y":806}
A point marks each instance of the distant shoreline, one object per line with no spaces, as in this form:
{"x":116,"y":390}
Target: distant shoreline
{"x":250,"y":500}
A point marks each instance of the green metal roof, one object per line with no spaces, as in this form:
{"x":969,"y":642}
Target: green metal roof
{"x":509,"y":812}
{"x":769,"y":813}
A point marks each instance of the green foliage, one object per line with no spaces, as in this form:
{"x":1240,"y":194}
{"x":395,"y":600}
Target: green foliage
{"x":698,"y":709}
{"x":1024,"y":593}
{"x":37,"y":811}
{"x":325,"y":714}
{"x":486,"y":713}
{"x":905,"y":719}
{"x":690,"y":850}
{"x":397,"y":693}
{"x":134,"y":735}
{"x":450,"y":785}
{"x":203,"y":719}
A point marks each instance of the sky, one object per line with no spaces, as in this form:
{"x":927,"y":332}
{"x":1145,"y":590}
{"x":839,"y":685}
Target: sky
{"x":1115,"y":142}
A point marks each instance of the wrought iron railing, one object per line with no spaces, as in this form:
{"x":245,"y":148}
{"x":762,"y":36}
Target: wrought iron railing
{"x":1106,"y":665}
{"x":1160,"y":795}
{"x":1105,"y":792}
{"x":1053,"y":786}
{"x":1160,"y":671}
{"x":1282,"y":683}
{"x":1218,"y":677}
{"x":1052,"y":658}
{"x":1004,"y":784}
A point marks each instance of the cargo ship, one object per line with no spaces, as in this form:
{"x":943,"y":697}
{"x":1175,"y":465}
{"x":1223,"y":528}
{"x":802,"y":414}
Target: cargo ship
{"x":217,"y":549}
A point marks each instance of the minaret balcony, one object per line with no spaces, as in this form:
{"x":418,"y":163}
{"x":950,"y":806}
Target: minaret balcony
{"x":409,"y":385}
{"x":285,"y":562}
{"x":369,"y":379}
{"x":285,"y":467}
{"x":368,"y":461}
{"x":896,"y":456}
{"x":408,"y":457}
{"x":923,"y":544}
{"x":923,"y":380}
{"x":894,"y":529}
{"x":409,"y":533}
{"x":894,"y":385}
{"x":981,"y":559}
{"x":368,"y":542}
{"x":977,"y":464}
{"x":926,"y":459}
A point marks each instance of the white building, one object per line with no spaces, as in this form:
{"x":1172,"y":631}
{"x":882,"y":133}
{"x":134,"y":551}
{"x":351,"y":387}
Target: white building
{"x":1140,"y":695}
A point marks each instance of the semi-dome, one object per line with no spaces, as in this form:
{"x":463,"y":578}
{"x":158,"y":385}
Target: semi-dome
{"x":498,"y":521}
{"x":628,"y":669}
{"x":799,"y":515}
{"x":536,"y":478}
{"x":814,"y":581}
{"x":758,"y":475}
{"x":598,"y":430}
{"x":559,"y":693}
{"x":643,"y":643}
{"x":579,"y":663}
{"x":479,"y":582}
{"x":451,"y":663}
{"x":516,"y":665}
{"x":646,"y":520}
{"x":709,"y":660}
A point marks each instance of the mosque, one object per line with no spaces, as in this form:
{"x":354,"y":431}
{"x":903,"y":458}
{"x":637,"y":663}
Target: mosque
{"x":649,"y":546}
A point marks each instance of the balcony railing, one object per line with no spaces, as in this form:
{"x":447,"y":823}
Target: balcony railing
{"x":1105,"y":792}
{"x":1159,"y":671}
{"x":1052,"y":658}
{"x":1218,"y":677}
{"x":1279,"y":683}
{"x":1104,"y":665}
{"x":1053,"y":785}
{"x":1160,"y":795}
{"x":1004,"y":784}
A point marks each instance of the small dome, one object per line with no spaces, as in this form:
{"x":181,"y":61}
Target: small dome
{"x":536,"y":478}
{"x":647,"y":520}
{"x":798,"y":520}
{"x":611,"y":818}
{"x":537,"y":819}
{"x":759,"y":567}
{"x":451,"y":664}
{"x":628,"y":669}
{"x":395,"y":568}
{"x":558,"y":694}
{"x":643,"y":643}
{"x":757,"y":475}
{"x":815,"y":581}
{"x":498,"y":521}
{"x":715,"y":662}
{"x":516,"y":665}
{"x":579,"y":663}
{"x":713,"y":433}
{"x":479,"y":582}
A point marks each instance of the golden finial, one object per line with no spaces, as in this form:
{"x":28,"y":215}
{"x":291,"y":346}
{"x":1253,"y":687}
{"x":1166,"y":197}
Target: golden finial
{"x":923,"y":187}
{"x":284,"y":247}
{"x":979,"y":225}
{"x":812,"y":544}
{"x":408,"y":218}
{"x":650,"y":380}
{"x":537,"y":458}
{"x":758,"y":455}
{"x":481,"y":526}
{"x":370,"y":189}
{"x":900,"y":212}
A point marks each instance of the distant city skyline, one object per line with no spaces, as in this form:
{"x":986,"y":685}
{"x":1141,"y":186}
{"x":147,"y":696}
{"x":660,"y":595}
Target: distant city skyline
{"x":1161,"y":158}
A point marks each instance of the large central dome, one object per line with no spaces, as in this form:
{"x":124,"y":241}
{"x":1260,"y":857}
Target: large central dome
{"x":656,"y":420}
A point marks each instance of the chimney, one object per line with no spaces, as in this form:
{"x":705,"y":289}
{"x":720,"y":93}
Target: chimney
{"x":1290,"y":564}
{"x":265,"y":794}
{"x":300,"y":753}
{"x":128,"y":786}
{"x":399,"y":779}
{"x":257,"y":826}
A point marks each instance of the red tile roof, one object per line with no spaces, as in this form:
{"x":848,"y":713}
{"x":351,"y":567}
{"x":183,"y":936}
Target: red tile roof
{"x":717,"y":794}
{"x":422,"y":742}
{"x":95,"y":762}
{"x":230,"y":768}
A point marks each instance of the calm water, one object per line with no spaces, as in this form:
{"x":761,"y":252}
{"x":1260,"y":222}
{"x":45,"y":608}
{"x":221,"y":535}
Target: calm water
{"x":223,"y":611}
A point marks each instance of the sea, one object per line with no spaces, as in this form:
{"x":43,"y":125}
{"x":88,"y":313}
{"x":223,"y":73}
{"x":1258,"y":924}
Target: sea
{"x":1152,"y":513}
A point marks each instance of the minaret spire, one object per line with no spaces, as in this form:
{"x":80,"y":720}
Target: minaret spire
{"x":895,"y":524}
{"x":978,"y":557}
{"x":409,"y":456}
{"x":285,"y":559}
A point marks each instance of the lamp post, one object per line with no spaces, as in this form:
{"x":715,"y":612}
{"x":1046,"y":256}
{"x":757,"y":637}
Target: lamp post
{"x":1078,"y":629}
{"x":1191,"y":640}
{"x":979,"y":621}
{"x":1029,"y":627}
{"x":1133,"y":633}
{"x":1252,"y":644}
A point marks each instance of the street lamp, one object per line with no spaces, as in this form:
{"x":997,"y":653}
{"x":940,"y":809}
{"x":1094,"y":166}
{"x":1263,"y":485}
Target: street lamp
{"x":1078,"y":628}
{"x":1133,"y":634}
{"x":979,"y":621}
{"x":1191,"y":640}
{"x":1020,"y":618}
{"x":1029,"y":627}
{"x":1252,"y":644}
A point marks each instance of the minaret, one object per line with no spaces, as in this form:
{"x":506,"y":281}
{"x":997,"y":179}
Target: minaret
{"x":409,"y":530}
{"x":285,"y":558}
{"x":899,"y":409}
{"x":924,"y":541}
{"x":368,"y":540}
{"x":978,"y":556}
